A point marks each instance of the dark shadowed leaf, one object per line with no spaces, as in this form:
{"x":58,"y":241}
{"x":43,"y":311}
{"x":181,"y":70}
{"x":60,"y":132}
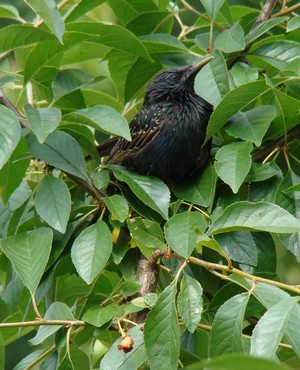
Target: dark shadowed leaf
{"x":198,"y":190}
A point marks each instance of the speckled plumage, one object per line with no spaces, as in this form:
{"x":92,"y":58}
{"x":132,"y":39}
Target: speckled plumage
{"x":168,"y":132}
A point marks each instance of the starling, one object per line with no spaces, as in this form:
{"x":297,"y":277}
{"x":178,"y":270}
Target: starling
{"x":169,"y":131}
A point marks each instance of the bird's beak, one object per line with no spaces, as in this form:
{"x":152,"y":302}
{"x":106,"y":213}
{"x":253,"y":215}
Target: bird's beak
{"x":195,"y":68}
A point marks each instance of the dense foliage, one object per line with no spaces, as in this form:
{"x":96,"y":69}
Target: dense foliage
{"x":69,"y":286}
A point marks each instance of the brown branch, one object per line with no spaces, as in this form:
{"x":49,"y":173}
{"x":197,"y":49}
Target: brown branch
{"x":279,"y":143}
{"x":265,"y":12}
{"x":8,"y":104}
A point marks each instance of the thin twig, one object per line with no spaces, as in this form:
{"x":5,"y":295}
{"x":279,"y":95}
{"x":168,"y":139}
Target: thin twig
{"x":41,"y":322}
{"x":41,"y":357}
{"x":279,"y":143}
{"x":285,"y":11}
{"x":215,"y":266}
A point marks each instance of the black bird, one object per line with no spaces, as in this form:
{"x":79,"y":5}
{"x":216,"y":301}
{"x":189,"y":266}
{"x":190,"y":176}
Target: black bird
{"x":169,"y":131}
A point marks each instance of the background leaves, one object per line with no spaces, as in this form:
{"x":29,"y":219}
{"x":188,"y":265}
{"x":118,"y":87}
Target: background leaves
{"x":206,"y":265}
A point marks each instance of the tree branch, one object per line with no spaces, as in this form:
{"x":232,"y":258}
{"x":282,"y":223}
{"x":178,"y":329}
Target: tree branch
{"x":265,"y":12}
{"x":279,"y":143}
{"x":40,"y":322}
{"x":215,"y":266}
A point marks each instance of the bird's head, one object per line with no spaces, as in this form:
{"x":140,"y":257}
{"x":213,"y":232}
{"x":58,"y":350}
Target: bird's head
{"x":174,"y":83}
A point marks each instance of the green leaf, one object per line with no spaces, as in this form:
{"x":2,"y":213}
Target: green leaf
{"x":82,"y":8}
{"x":234,"y":101}
{"x":118,"y":206}
{"x":263,"y":28}
{"x":231,"y":40}
{"x":57,"y":311}
{"x":61,"y":151}
{"x":139,"y":74}
{"x":47,"y":10}
{"x":115,"y":359}
{"x":198,"y":191}
{"x":262,"y":171}
{"x":111,"y":35}
{"x":13,"y":172}
{"x":53,"y":203}
{"x":160,"y":43}
{"x":190,"y":302}
{"x":151,"y":22}
{"x":279,"y":53}
{"x":273,"y":322}
{"x":147,"y":235}
{"x":261,"y":216}
{"x":233,"y":162}
{"x":251,"y":125}
{"x":238,"y":362}
{"x":10,"y":133}
{"x":91,"y":250}
{"x":98,"y":316}
{"x":10,"y":12}
{"x":150,"y":190}
{"x":212,"y":7}
{"x":102,"y":118}
{"x":15,"y":36}
{"x":43,"y":121}
{"x":212,"y":82}
{"x":69,"y":80}
{"x":126,"y":10}
{"x":29,"y":253}
{"x":226,"y":333}
{"x":161,"y":332}
{"x":293,"y":24}
{"x":181,"y":231}
{"x":239,"y":246}
{"x":242,"y":73}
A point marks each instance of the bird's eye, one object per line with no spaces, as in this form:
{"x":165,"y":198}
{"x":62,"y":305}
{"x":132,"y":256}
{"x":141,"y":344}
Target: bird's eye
{"x":173,"y":77}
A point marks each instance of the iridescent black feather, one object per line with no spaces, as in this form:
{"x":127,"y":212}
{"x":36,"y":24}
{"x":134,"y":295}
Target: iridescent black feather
{"x":169,"y":131}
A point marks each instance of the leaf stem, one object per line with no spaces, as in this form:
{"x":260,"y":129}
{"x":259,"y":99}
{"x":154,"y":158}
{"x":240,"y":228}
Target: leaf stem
{"x":41,"y":357}
{"x":35,"y":307}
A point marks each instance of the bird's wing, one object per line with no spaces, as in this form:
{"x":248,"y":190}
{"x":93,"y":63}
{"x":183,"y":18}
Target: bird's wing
{"x":144,"y":127}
